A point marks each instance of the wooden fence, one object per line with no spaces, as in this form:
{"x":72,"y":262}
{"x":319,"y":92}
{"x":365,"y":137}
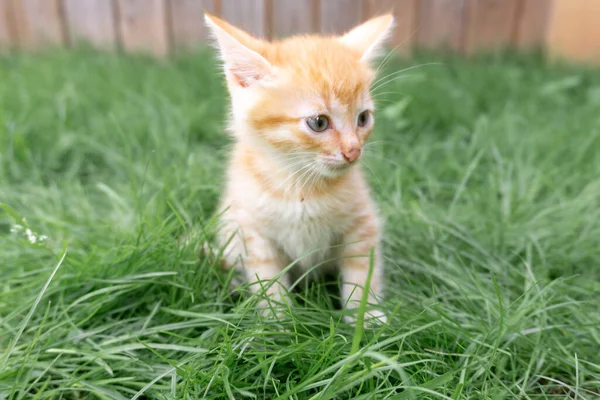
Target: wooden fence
{"x":567,"y":27}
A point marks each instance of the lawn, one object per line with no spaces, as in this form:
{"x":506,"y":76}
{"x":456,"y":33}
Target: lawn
{"x":487,"y":172}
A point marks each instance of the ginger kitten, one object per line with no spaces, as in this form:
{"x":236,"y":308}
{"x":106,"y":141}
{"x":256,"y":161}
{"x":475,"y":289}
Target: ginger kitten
{"x":301,"y":112}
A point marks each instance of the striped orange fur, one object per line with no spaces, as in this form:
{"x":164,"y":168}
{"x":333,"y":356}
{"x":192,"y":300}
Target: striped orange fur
{"x":301,"y":113}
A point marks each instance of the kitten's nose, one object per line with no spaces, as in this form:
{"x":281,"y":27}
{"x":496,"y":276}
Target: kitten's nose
{"x":351,"y":154}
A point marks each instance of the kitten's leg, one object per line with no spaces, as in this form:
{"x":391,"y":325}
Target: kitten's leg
{"x":354,"y":268}
{"x":261,"y":264}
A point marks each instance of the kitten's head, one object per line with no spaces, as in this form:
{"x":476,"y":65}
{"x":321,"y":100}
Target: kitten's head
{"x":305,"y":99}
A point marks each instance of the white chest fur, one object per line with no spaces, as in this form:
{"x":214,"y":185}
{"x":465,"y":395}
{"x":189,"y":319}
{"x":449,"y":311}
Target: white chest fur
{"x":304,"y":230}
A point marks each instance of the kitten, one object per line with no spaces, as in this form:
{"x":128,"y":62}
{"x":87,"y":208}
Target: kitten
{"x":301,"y":112}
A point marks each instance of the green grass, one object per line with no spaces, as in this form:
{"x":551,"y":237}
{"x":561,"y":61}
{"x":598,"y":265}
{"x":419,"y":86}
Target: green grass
{"x":487,"y":172}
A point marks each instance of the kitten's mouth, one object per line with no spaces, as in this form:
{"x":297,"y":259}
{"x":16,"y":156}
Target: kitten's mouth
{"x":337,"y":166}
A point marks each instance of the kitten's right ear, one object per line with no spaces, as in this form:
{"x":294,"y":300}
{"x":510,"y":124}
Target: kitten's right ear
{"x":369,"y":37}
{"x":239,"y":51}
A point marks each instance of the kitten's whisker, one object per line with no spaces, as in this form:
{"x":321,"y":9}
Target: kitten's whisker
{"x":318,"y":181}
{"x":383,"y":78}
{"x":384,"y":93}
{"x":390,"y":81}
{"x":379,"y":181}
{"x":376,"y":82}
{"x":292,"y":157}
{"x":387,"y":58}
{"x":298,"y":161}
{"x":295,"y":153}
{"x":313,"y":180}
{"x":291,"y":176}
{"x":372,"y":142}
{"x":383,"y":141}
{"x":393,"y":51}
{"x":306,"y":174}
{"x":305,"y":177}
{"x":367,"y":152}
{"x":383,"y":102}
{"x":291,"y":167}
{"x":301,"y":179}
{"x":404,"y":70}
{"x":306,"y":181}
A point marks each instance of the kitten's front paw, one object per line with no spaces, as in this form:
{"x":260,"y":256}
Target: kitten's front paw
{"x":372,"y":318}
{"x":275,"y":308}
{"x":376,"y":317}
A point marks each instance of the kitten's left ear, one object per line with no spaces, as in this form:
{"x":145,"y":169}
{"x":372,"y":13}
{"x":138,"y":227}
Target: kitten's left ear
{"x":239,"y":51}
{"x":369,"y":37}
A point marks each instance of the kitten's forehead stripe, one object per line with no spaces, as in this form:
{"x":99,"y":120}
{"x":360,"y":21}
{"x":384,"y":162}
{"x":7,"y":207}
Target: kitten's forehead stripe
{"x":323,"y":65}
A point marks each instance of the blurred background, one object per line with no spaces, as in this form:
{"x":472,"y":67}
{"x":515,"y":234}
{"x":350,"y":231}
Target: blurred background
{"x":564,"y":27}
{"x":484,"y":164}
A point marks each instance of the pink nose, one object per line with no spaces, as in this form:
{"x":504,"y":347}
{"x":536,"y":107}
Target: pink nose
{"x":351,"y":154}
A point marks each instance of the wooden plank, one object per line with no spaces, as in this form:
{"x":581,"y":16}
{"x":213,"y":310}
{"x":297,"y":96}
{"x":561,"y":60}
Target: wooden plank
{"x":339,"y":16}
{"x":490,"y":24}
{"x":405,"y":14}
{"x":574,"y":30}
{"x":142,"y":26}
{"x":292,"y":17}
{"x":6,"y":28}
{"x":187,"y":22}
{"x":91,"y":21}
{"x":532,"y":23}
{"x":38,"y":23}
{"x":440,"y":24}
{"x":250,"y":15}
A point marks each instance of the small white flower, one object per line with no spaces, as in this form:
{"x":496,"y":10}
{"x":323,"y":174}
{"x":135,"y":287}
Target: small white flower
{"x":16,"y":228}
{"x":30,"y":236}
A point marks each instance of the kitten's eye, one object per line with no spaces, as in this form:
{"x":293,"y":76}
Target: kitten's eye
{"x":318,"y":123}
{"x":363,"y":118}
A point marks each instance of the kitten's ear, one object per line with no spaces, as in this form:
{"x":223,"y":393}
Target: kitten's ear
{"x":239,"y":51}
{"x":368,"y":38}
